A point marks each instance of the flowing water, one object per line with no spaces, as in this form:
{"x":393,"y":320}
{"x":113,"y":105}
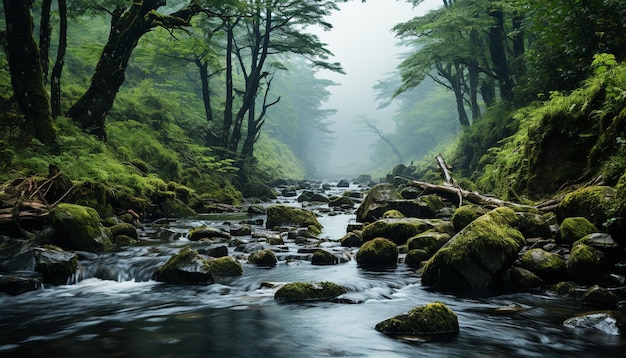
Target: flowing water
{"x":113,"y":309}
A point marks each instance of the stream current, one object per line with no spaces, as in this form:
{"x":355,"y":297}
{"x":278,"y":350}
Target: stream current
{"x":113,"y":309}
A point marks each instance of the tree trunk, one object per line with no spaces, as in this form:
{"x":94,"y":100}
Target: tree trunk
{"x":128,"y":25}
{"x":228,"y":105}
{"x":498,"y":55}
{"x":27,"y":76}
{"x":55,"y":78}
{"x":44,"y":37}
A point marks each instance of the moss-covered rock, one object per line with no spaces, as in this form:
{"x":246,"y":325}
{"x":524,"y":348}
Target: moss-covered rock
{"x":520,"y":279}
{"x":596,"y":203}
{"x":606,"y":244}
{"x":547,"y":265}
{"x":323,"y":257}
{"x":352,"y":239}
{"x":376,"y":202}
{"x":378,"y":252}
{"x":186,"y":267}
{"x":304,"y":292}
{"x":207,"y":232}
{"x":534,"y":225}
{"x":430,"y":241}
{"x":342,"y":201}
{"x":282,"y":215}
{"x":564,"y":288}
{"x":586,"y":265}
{"x":312,"y":196}
{"x":225,"y":266}
{"x":415,"y":258}
{"x":263,"y":258}
{"x":433,"y":319}
{"x":257,"y":190}
{"x":393,"y":214}
{"x":478,"y":255}
{"x":396,"y":230}
{"x":600,"y":298}
{"x":55,"y":265}
{"x":465,"y":214}
{"x":573,"y":229}
{"x":78,"y":227}
{"x":124,"y":229}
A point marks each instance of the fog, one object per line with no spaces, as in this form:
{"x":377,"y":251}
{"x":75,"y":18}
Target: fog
{"x":362,"y":41}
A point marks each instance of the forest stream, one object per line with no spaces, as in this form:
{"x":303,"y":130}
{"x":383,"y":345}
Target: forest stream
{"x":113,"y":309}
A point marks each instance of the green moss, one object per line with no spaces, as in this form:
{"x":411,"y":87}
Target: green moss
{"x":226,"y":265}
{"x":78,"y":227}
{"x":282,"y":215}
{"x":416,"y":257}
{"x":323,"y":257}
{"x":343,"y":201}
{"x":431,"y":319}
{"x":378,"y":252}
{"x":393,"y":214}
{"x":396,"y":230}
{"x":549,"y":266}
{"x":263,"y":258}
{"x":573,"y":229}
{"x":430,"y":241}
{"x":586,"y":265}
{"x":465,"y":214}
{"x":304,"y":291}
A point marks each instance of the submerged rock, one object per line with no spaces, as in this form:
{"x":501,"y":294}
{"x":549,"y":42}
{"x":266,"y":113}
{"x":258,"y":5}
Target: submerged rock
{"x":599,"y":297}
{"x":610,"y":322}
{"x":377,"y":253}
{"x":15,"y":284}
{"x":186,"y":267}
{"x":207,"y":232}
{"x":304,"y":291}
{"x":478,"y":255}
{"x":433,"y":319}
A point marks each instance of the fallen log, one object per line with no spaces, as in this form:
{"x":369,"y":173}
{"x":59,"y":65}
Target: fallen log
{"x":456,"y":193}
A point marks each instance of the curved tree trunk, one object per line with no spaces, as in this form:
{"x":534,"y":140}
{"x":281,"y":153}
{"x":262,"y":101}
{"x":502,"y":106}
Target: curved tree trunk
{"x":27,"y":76}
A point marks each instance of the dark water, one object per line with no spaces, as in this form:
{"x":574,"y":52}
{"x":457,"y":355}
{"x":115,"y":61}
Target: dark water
{"x":114,"y":310}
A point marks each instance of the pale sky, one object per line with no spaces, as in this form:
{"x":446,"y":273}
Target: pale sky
{"x":362,"y":41}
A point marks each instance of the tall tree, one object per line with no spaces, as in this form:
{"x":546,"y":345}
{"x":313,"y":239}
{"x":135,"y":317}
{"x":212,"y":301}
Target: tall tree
{"x":128,"y":25}
{"x":26,"y":74}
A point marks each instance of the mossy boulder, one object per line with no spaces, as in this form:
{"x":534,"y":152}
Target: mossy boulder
{"x":549,"y":266}
{"x":520,"y":279}
{"x":304,"y":292}
{"x":377,"y":253}
{"x":376,"y":203}
{"x":573,"y":229}
{"x":187,"y":267}
{"x":124,"y":229}
{"x":351,"y":239}
{"x":415,"y":258}
{"x":78,"y":227}
{"x":312,"y":196}
{"x":55,"y":265}
{"x":478,"y":255}
{"x":341,"y":201}
{"x":586,"y":265}
{"x":433,"y":319}
{"x":207,"y":232}
{"x":265,"y":258}
{"x":225,"y":266}
{"x":393,"y":214}
{"x":257,"y":190}
{"x":596,"y":203}
{"x":282,"y":215}
{"x":606,"y":244}
{"x":323,"y":257}
{"x":465,"y":214}
{"x":564,"y":288}
{"x":430,"y":241}
{"x":534,"y":225}
{"x":600,"y":298}
{"x":396,"y":230}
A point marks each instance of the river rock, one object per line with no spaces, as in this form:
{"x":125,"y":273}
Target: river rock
{"x":241,"y":230}
{"x":599,"y":297}
{"x":225,"y":266}
{"x":393,"y":214}
{"x":396,"y":230}
{"x":476,"y":256}
{"x":282,"y":215}
{"x":549,"y":266}
{"x":376,"y":202}
{"x":610,"y":322}
{"x":432,"y":320}
{"x":352,"y":239}
{"x":304,"y":291}
{"x":586,"y":265}
{"x":323,"y":257}
{"x":207,"y":232}
{"x":430,"y":241}
{"x":520,"y":279}
{"x":186,"y":267}
{"x":265,"y":258}
{"x":55,"y":265}
{"x":605,"y":243}
{"x":15,"y":284}
{"x":534,"y":225}
{"x":595,"y":203}
{"x":415,"y":258}
{"x":343,"y":184}
{"x":258,"y":190}
{"x":465,"y":214}
{"x":377,"y":253}
{"x":573,"y":229}
{"x":341,"y":201}
{"x":311,"y":196}
{"x":78,"y":227}
{"x":124,"y":229}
